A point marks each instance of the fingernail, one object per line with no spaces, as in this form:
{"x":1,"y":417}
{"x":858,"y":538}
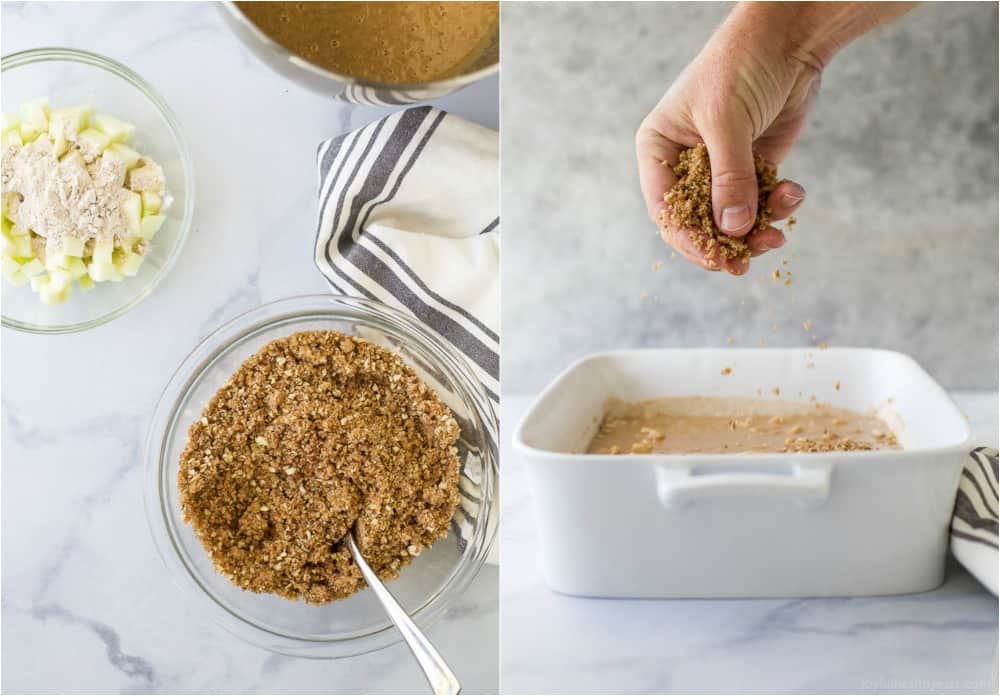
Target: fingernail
{"x":795,"y":196}
{"x":735,"y":218}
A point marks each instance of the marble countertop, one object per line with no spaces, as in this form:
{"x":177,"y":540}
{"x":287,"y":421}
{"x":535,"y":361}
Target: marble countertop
{"x":943,"y":641}
{"x":87,"y":606}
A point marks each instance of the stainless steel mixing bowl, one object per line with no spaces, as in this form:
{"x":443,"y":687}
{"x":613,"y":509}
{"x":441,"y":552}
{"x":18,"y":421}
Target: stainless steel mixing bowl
{"x":349,"y":88}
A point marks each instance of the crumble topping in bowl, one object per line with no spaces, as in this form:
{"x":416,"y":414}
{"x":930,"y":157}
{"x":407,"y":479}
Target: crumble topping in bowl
{"x":315,"y":434}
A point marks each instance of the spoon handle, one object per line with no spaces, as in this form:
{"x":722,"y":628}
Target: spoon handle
{"x":439,"y":676}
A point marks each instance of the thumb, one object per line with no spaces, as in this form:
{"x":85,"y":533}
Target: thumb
{"x":734,"y":180}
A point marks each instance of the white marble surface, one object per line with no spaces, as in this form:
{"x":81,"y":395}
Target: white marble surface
{"x":943,"y":641}
{"x":87,"y":606}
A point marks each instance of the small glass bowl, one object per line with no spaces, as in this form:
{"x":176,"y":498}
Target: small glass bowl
{"x":69,"y":78}
{"x":358,"y":624}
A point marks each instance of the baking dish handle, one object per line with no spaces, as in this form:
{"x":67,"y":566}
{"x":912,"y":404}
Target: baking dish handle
{"x":807,"y":484}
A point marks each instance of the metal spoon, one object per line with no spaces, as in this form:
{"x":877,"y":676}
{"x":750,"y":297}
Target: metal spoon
{"x":439,"y":676}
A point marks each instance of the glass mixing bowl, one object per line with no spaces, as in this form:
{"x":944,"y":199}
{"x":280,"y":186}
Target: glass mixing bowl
{"x":68,"y":78}
{"x":358,"y":624}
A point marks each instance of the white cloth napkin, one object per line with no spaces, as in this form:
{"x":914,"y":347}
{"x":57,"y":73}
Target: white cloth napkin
{"x":974,"y":525}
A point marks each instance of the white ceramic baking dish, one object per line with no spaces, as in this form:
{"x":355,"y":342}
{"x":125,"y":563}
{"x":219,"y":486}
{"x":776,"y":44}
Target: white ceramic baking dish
{"x":755,"y":525}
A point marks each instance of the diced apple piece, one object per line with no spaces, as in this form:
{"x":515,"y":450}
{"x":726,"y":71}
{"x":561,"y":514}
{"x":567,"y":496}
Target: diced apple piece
{"x":131,"y":264}
{"x":57,"y":261}
{"x":131,"y":208}
{"x":8,"y":265}
{"x":107,"y":162}
{"x":66,"y":124}
{"x":100,"y":270}
{"x":10,"y":122}
{"x":92,"y":142}
{"x":152,"y":203}
{"x":72,"y":246}
{"x":148,"y":177}
{"x":59,"y":145}
{"x":33,"y":267}
{"x":71,"y":117}
{"x":85,"y":282}
{"x":102,"y":252}
{"x":125,"y":153}
{"x":39,"y":281}
{"x":150,"y":225}
{"x":51,"y":294}
{"x":34,"y":118}
{"x":11,"y":138}
{"x":73,"y":158}
{"x":22,"y":246}
{"x":117,"y":131}
{"x":77,"y":268}
{"x":60,"y":278}
{"x":16,"y":277}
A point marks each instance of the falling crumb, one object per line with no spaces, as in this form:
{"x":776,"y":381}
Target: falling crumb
{"x":788,"y":281}
{"x":822,"y":346}
{"x":643,"y":296}
{"x":656,"y":266}
{"x":785,"y":262}
{"x":837,"y":385}
{"x":806,"y":324}
{"x":776,"y":391}
{"x":730,"y":340}
{"x":727,"y":370}
{"x":791,"y":222}
{"x":776,"y":275}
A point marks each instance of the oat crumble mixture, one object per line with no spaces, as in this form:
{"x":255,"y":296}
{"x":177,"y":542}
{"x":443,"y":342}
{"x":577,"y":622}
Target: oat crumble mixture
{"x":315,"y":434}
{"x":689,"y":204}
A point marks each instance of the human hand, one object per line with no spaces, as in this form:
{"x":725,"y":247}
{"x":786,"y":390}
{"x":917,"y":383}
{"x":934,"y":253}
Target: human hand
{"x":749,"y":90}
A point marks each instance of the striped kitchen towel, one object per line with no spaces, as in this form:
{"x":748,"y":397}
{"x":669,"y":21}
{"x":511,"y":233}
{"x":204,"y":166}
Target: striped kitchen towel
{"x":409,"y":216}
{"x":974,"y":525}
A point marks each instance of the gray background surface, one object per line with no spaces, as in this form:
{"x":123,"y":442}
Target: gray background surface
{"x":896,"y":245}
